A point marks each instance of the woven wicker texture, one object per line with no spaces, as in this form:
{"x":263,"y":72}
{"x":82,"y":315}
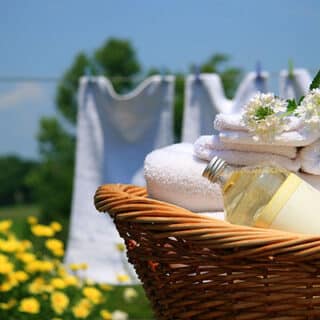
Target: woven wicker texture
{"x":194,"y":267}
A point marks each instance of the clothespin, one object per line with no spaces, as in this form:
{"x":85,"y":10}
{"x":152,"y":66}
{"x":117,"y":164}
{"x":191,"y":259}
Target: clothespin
{"x":163,"y":73}
{"x":197,"y":73}
{"x":290,"y":70}
{"x":259,"y":77}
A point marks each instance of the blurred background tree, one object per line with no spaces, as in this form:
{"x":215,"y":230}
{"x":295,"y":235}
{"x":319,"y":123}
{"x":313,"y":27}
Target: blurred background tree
{"x":117,"y":60}
{"x":14,"y":188}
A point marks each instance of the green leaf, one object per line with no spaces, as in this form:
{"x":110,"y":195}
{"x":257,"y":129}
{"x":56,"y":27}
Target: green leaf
{"x":315,"y":82}
{"x":263,"y":112}
{"x":301,"y":99}
{"x":292,"y":105}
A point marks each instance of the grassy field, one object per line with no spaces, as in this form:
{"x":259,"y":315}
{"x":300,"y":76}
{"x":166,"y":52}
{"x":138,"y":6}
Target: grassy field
{"x":137,"y":309}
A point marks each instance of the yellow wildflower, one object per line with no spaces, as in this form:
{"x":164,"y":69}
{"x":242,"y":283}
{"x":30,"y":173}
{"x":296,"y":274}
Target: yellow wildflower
{"x":82,"y":309}
{"x":5,"y":225}
{"x":59,"y":302}
{"x":37,"y":286}
{"x":5,"y":287}
{"x":93,"y":294}
{"x":105,"y":287}
{"x":29,"y":305}
{"x":20,"y":276}
{"x":120,"y":247}
{"x":6,"y":267}
{"x":8,"y":305}
{"x":39,"y":266}
{"x":26,"y":257}
{"x":56,"y":226}
{"x":71,"y":281}
{"x":3,"y":258}
{"x":58,"y":283}
{"x":24,"y":245}
{"x":32,"y":220}
{"x":41,"y":230}
{"x":105,"y":315}
{"x":10,"y":245}
{"x":78,"y":266}
{"x":123,"y":277}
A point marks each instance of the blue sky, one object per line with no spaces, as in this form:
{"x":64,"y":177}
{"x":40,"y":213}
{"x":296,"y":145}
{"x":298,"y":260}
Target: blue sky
{"x":40,"y":38}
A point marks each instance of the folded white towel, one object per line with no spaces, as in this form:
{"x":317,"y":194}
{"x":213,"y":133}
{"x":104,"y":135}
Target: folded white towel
{"x":297,"y":138}
{"x":174,"y":174}
{"x":310,"y":158}
{"x":214,"y":143}
{"x":224,"y":122}
{"x":244,"y":158}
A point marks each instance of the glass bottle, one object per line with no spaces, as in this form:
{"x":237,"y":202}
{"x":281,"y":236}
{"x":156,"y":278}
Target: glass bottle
{"x":266,"y":196}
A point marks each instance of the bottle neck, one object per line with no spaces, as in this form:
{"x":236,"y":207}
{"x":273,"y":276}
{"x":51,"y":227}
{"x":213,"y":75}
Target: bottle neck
{"x":223,"y":176}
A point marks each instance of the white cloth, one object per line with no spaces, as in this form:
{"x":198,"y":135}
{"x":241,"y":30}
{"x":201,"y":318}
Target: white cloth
{"x":296,"y":87}
{"x":298,"y":138}
{"x":233,"y":122}
{"x":246,"y":158}
{"x":310,"y":158}
{"x":174,"y":175}
{"x":205,"y":97}
{"x":208,"y":143}
{"x":114,"y":134}
{"x":248,"y":87}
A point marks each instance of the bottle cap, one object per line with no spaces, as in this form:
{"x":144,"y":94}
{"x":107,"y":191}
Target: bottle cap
{"x":214,"y":168}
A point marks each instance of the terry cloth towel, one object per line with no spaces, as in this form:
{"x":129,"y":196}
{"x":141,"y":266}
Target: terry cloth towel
{"x":114,"y":134}
{"x":297,"y":86}
{"x":310,"y":158}
{"x":245,"y":158}
{"x":205,"y":97}
{"x":249,"y":86}
{"x":207,"y":143}
{"x":174,"y":174}
{"x":298,"y":138}
{"x":233,"y":122}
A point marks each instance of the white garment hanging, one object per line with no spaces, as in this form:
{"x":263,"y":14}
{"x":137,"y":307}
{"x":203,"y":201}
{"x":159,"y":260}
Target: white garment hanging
{"x":114,"y":134}
{"x":296,"y":87}
{"x":205,"y":97}
{"x":248,"y":87}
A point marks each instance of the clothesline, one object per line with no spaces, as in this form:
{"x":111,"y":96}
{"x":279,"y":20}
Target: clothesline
{"x":49,"y":79}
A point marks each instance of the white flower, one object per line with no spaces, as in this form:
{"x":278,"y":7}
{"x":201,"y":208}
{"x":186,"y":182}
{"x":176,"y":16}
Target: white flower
{"x":265,"y":116}
{"x":129,"y":294}
{"x":309,"y":109}
{"x":119,"y":315}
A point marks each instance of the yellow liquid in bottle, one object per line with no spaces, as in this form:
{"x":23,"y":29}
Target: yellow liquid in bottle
{"x":249,"y":190}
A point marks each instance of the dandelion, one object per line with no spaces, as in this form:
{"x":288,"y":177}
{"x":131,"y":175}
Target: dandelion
{"x":41,"y":230}
{"x":309,"y":109}
{"x":129,"y":294}
{"x":5,"y":225}
{"x":58,"y":283}
{"x":8,"y":305}
{"x":32,"y":220}
{"x":59,"y":302}
{"x":123,"y":278}
{"x":20,"y":276}
{"x":82,"y":309}
{"x":105,"y":315}
{"x":6,"y":267}
{"x":78,"y":266}
{"x":93,"y":294}
{"x":29,"y":305}
{"x":265,"y":116}
{"x":56,"y":226}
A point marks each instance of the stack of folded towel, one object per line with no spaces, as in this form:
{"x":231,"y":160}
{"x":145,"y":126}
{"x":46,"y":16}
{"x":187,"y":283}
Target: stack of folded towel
{"x":294,"y":149}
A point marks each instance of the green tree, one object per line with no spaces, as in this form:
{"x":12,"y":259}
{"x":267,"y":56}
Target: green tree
{"x":13,"y":173}
{"x":53,"y":180}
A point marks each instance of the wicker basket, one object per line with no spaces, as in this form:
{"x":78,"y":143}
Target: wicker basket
{"x":194,"y":267}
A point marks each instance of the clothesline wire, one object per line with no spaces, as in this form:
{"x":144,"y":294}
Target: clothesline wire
{"x":27,"y":78}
